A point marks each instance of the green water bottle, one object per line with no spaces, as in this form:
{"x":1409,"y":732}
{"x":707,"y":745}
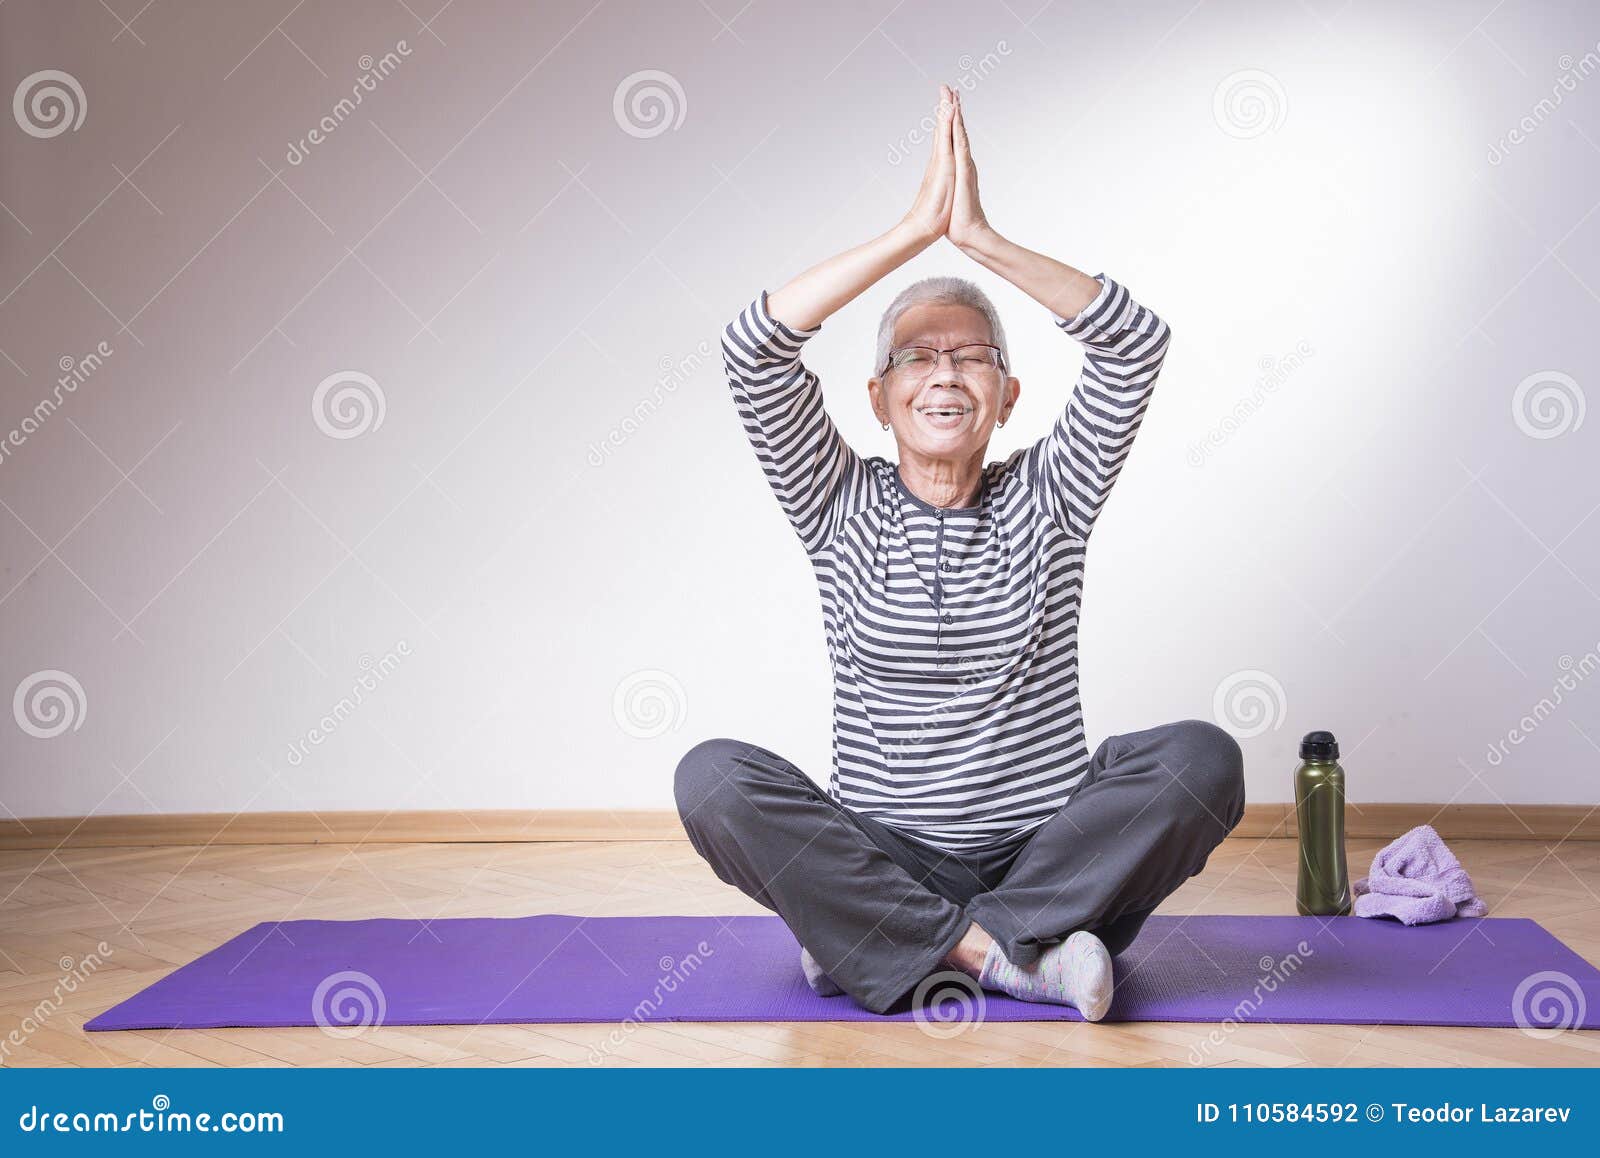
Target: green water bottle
{"x":1324,"y":887}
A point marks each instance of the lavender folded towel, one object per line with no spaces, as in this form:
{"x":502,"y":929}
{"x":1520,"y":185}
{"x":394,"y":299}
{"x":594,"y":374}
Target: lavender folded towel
{"x":1418,"y":880}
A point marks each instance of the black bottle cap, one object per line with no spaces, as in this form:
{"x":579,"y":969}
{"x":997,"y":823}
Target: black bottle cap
{"x":1319,"y":746}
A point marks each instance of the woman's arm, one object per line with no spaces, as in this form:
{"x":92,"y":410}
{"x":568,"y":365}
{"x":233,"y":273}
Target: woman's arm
{"x":810,"y":298}
{"x":820,"y":482}
{"x":1071,"y":470}
{"x":1064,"y":291}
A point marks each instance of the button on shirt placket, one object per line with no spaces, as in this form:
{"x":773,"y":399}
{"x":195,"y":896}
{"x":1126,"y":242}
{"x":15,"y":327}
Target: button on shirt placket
{"x":938,"y":589}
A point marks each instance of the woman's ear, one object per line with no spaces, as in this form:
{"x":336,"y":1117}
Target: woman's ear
{"x":1009,"y":396}
{"x":875,"y":394}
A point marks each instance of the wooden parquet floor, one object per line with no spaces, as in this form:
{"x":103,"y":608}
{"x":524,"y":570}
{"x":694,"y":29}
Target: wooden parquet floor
{"x":157,"y":908}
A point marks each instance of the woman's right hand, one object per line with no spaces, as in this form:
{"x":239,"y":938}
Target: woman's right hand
{"x":929,"y":216}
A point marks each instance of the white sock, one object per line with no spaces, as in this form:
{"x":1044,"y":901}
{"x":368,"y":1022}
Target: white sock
{"x":1076,"y":972}
{"x":819,"y":981}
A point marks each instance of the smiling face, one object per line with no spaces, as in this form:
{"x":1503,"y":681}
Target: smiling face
{"x":949,"y":413}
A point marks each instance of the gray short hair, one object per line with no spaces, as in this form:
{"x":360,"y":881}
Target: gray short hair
{"x":943,"y":291}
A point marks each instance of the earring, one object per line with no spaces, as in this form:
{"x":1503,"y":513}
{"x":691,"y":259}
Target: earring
{"x":886,"y":426}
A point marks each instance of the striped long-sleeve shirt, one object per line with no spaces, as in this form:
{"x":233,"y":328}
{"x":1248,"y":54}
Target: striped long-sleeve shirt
{"x":952,"y":633}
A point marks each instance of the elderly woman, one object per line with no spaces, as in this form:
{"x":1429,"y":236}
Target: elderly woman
{"x":965,"y":823}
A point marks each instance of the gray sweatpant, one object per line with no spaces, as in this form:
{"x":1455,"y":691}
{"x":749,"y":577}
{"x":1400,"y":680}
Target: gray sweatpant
{"x":879,"y":910}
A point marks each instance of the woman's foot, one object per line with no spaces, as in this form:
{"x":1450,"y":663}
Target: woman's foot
{"x":1076,"y":972}
{"x":818,"y":980}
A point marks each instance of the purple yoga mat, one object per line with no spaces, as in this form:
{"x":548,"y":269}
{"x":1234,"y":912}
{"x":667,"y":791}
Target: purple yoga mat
{"x":1485,"y":971}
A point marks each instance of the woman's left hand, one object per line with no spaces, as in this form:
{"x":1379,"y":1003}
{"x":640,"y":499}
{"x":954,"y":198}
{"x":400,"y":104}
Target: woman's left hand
{"x":967,"y":221}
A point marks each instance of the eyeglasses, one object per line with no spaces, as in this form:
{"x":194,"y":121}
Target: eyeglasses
{"x":919,"y":361}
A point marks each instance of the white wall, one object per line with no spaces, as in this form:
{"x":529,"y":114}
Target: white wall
{"x":1367,"y":282}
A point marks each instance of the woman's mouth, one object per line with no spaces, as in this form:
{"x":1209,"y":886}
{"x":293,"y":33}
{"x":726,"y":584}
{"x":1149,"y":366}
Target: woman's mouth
{"x":948,"y":417}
